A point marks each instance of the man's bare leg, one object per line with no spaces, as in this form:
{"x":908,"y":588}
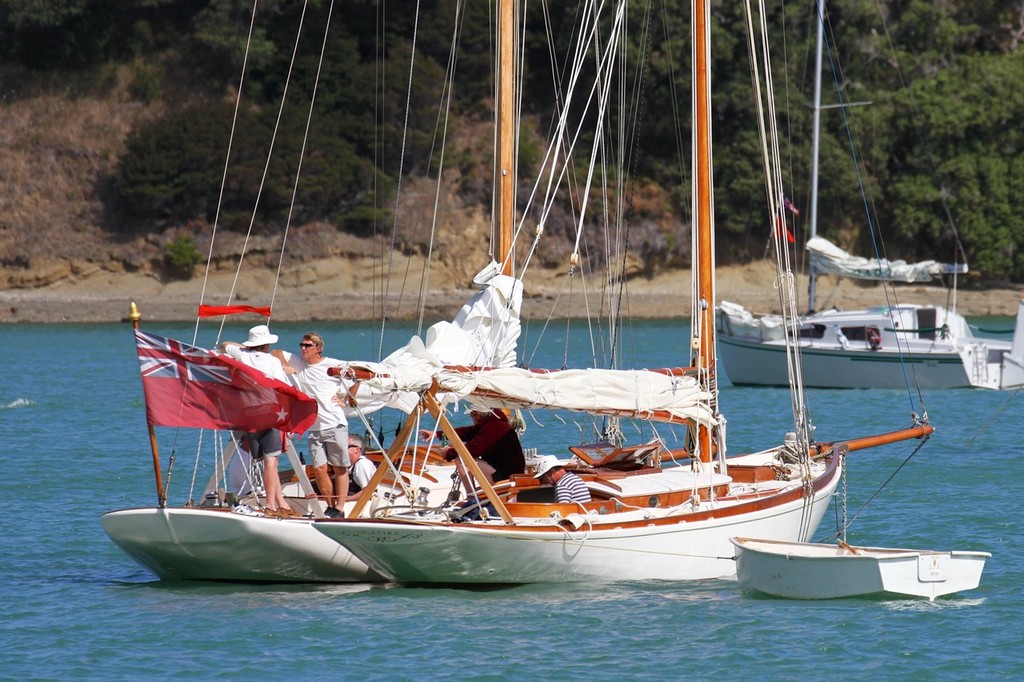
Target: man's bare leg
{"x":324,"y":484}
{"x":272,"y":484}
{"x":340,"y":487}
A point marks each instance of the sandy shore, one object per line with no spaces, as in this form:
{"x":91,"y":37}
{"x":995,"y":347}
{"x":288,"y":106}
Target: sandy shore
{"x":329,"y":290}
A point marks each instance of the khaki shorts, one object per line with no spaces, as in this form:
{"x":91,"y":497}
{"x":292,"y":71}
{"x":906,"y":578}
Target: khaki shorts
{"x":330,"y":446}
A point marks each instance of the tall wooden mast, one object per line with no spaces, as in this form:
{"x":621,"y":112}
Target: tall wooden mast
{"x":506,"y":131}
{"x":703,"y":207}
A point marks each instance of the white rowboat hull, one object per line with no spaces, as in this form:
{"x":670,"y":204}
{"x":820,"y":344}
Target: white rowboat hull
{"x":824,"y":571}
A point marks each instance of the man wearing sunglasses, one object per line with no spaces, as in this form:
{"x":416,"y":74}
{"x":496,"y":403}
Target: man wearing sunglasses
{"x":328,"y":438}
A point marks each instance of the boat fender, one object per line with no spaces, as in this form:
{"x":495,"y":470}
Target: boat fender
{"x":573,"y":521}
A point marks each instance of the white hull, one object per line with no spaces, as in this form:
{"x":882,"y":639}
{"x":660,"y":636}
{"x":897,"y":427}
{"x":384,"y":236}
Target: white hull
{"x":821,"y":571}
{"x":615,"y":546}
{"x":753,"y":363}
{"x":834,"y":352}
{"x":216,"y":544}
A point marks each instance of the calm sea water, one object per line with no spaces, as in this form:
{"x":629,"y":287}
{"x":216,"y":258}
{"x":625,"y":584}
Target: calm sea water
{"x":74,"y":606}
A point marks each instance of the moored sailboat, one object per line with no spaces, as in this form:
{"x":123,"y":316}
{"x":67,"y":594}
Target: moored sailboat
{"x":885,"y":346}
{"x":655,"y":513}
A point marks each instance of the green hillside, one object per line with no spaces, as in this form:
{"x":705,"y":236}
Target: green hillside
{"x":117,"y":117}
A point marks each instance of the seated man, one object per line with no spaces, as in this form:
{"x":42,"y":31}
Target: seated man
{"x":493,"y":443}
{"x":568,"y":486}
{"x":362,"y":469}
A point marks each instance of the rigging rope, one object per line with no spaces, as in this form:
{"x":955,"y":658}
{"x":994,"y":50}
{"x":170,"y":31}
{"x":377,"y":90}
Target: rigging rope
{"x":224,"y":174}
{"x":401,"y":172}
{"x":443,"y":115}
{"x":305,"y":141}
{"x":266,"y":166}
{"x":759,"y":48}
{"x":882,"y":487}
{"x":877,"y":242}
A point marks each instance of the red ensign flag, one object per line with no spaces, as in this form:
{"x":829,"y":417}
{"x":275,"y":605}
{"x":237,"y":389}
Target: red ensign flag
{"x":192,"y":387}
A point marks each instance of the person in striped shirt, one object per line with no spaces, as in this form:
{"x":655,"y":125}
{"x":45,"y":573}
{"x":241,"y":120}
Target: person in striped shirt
{"x":568,"y":486}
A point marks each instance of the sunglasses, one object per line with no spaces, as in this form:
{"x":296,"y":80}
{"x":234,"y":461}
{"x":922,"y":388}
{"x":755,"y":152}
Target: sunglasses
{"x":307,"y":345}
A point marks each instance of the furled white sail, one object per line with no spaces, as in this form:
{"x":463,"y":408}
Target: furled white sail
{"x":827,"y":258}
{"x":644,"y":394}
{"x":484,"y":333}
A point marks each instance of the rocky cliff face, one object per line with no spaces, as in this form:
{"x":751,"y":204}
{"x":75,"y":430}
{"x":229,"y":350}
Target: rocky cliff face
{"x":60,"y":153}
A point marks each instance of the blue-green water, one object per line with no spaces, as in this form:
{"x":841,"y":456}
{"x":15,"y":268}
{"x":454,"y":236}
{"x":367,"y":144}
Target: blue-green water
{"x":74,"y":606}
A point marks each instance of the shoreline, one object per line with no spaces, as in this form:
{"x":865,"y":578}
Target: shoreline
{"x":102,"y":296}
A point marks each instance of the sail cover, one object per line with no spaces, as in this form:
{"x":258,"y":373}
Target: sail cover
{"x":827,"y":258}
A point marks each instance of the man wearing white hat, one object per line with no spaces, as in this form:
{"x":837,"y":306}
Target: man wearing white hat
{"x":266,"y":445}
{"x":568,"y":486}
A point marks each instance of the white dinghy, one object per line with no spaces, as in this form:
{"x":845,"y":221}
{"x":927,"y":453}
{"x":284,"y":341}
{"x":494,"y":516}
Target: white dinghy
{"x":805,"y":570}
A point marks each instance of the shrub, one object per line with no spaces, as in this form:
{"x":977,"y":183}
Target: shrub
{"x":182,"y":255}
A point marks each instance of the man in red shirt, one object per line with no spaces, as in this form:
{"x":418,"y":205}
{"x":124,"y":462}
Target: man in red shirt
{"x":493,"y":443}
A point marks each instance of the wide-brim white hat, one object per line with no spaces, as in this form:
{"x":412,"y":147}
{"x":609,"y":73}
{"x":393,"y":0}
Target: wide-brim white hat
{"x":260,"y":336}
{"x":546,"y":464}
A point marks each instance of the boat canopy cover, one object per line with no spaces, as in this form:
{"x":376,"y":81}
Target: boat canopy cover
{"x":827,"y":258}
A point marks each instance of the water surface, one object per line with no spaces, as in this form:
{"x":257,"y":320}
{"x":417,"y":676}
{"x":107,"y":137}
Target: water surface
{"x":75,"y":606}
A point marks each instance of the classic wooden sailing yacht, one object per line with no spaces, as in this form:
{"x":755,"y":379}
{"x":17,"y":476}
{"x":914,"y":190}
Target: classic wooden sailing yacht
{"x":656,"y":513}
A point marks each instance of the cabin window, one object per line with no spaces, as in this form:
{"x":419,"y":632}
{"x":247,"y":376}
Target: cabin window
{"x":816,"y":331}
{"x":855,"y":333}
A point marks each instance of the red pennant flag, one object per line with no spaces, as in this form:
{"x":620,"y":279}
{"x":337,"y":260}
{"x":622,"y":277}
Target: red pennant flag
{"x":215,"y":310}
{"x":192,"y":387}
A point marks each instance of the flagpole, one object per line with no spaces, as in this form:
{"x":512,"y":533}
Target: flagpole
{"x":134,"y":315}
